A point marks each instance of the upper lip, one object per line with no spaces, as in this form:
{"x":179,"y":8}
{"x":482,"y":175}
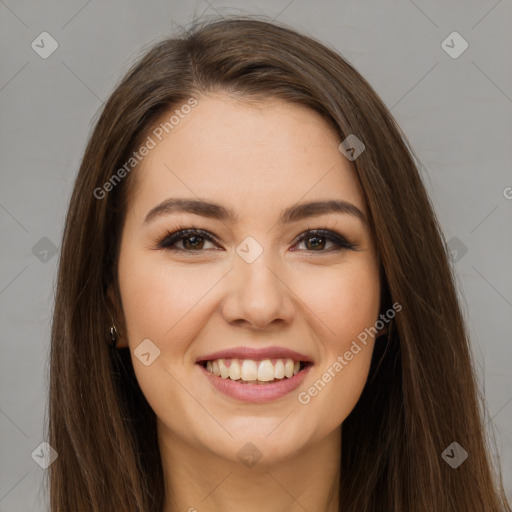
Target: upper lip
{"x":256,"y":354}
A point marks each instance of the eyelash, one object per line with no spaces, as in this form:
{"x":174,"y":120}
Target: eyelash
{"x":183,"y":232}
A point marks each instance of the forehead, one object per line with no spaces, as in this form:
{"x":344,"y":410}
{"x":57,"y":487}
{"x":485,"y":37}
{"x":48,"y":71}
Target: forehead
{"x":253,"y":156}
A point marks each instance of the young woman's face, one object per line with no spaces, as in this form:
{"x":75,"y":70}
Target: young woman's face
{"x":255,"y":280}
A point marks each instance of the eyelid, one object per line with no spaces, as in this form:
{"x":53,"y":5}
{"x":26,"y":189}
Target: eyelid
{"x":181,"y":233}
{"x":339,"y":240}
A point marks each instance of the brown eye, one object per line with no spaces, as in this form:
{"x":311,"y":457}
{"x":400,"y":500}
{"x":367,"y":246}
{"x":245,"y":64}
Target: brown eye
{"x":316,"y":240}
{"x":191,"y":240}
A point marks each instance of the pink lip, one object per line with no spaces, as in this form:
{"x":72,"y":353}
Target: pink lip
{"x":256,"y":393}
{"x":257,"y":354}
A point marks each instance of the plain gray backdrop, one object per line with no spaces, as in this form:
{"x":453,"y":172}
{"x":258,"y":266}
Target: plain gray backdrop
{"x":455,"y":109}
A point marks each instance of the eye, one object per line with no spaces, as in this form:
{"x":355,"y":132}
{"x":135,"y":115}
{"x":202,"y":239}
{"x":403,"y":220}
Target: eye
{"x":315,"y":241}
{"x":192,"y":239}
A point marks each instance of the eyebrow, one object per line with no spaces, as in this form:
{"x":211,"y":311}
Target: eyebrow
{"x":215,"y":211}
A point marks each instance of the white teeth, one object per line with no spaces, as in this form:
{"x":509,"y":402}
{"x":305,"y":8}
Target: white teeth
{"x":249,"y":370}
{"x":234,"y":371}
{"x":279,"y":369}
{"x":288,"y":368}
{"x":224,"y":370}
{"x":265,"y":370}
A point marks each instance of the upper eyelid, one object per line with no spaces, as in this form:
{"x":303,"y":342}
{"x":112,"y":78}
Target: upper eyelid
{"x":183,"y":232}
{"x":207,"y":234}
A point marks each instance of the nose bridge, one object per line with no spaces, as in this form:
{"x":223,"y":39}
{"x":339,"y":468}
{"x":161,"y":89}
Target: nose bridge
{"x":256,"y":277}
{"x":258,"y":294}
{"x":258,"y":273}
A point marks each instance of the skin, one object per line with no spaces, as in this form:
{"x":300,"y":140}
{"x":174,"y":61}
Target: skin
{"x":256,"y":158}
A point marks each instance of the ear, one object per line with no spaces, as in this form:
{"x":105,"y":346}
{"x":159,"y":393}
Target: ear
{"x":116,"y":314}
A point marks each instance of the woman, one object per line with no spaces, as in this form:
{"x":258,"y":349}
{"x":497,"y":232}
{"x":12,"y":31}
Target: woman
{"x":254,"y":295}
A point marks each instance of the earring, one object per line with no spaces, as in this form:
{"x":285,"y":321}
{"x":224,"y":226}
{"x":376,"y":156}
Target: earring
{"x":113,"y":335}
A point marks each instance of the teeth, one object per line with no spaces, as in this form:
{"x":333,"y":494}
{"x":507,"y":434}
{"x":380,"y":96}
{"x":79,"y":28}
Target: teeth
{"x":249,"y":370}
{"x":224,"y":370}
{"x":279,"y":369}
{"x":288,"y":368}
{"x":234,"y":371}
{"x":265,"y":371}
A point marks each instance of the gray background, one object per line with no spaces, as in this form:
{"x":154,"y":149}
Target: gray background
{"x":455,"y":111}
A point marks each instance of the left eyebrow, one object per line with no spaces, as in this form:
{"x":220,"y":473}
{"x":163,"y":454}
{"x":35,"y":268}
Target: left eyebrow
{"x":303,"y":210}
{"x":215,"y":211}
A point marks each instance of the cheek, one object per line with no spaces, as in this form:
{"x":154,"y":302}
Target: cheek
{"x":169,"y":306}
{"x":346,"y":300}
{"x":346,"y":303}
{"x":161,"y":301}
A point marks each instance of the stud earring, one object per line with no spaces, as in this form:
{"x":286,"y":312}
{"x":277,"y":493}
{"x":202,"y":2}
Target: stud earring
{"x":113,"y":335}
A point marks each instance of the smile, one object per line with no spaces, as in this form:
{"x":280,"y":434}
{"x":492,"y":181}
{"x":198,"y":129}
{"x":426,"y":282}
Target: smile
{"x":254,"y":372}
{"x":265,"y":381}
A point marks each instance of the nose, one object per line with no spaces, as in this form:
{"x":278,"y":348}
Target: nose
{"x":257,"y":295}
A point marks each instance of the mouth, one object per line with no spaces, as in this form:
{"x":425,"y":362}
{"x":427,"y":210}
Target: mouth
{"x":255,"y":372}
{"x":253,"y":380}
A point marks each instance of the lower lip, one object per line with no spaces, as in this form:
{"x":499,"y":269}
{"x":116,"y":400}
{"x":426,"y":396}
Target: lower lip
{"x":256,"y":393}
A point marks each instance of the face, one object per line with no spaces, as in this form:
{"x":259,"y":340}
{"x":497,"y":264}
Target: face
{"x":255,"y":278}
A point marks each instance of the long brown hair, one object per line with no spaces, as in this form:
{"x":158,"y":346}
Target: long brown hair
{"x":421,"y":394}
